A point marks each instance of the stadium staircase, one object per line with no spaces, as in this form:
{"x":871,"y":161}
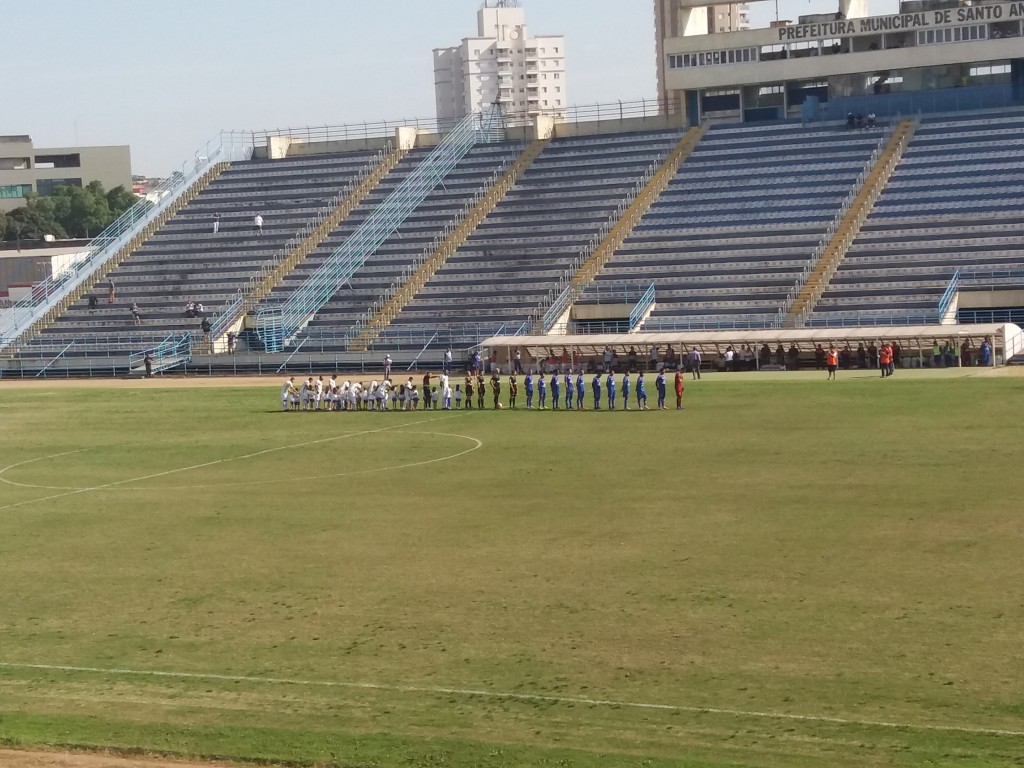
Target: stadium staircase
{"x":848,"y":228}
{"x":589,"y":263}
{"x":101,"y":270}
{"x":307,"y":241}
{"x":277,"y":323}
{"x":392,"y":303}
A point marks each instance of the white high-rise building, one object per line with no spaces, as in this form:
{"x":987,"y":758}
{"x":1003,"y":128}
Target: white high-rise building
{"x":502,"y":64}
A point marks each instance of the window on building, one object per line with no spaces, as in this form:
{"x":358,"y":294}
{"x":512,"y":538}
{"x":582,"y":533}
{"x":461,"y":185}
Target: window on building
{"x":556,"y":50}
{"x":14,"y":163}
{"x":47,"y":187}
{"x":557,"y":76}
{"x":59,"y":161}
{"x":11,"y":191}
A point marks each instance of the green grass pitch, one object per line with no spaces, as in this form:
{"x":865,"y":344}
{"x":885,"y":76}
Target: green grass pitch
{"x":787,"y":573}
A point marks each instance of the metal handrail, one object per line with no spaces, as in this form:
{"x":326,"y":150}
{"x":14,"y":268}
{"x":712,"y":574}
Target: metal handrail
{"x":105,"y":246}
{"x":244,"y":299}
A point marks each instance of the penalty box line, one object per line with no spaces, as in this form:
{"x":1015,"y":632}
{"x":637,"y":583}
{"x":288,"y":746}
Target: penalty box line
{"x":526,"y":697}
{"x":205,"y":464}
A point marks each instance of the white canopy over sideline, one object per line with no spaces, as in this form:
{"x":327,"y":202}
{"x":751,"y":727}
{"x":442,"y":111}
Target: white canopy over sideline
{"x":1006,"y":339}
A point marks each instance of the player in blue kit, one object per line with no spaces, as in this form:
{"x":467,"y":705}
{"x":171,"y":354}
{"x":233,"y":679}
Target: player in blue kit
{"x":625,"y":391}
{"x":555,"y":391}
{"x":528,"y":383}
{"x":610,"y":385}
{"x":596,"y":385}
{"x":641,"y":392}
{"x":568,"y":389}
{"x":660,"y":383}
{"x":542,"y":391}
{"x":581,"y":391}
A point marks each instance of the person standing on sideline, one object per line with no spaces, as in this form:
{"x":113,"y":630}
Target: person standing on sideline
{"x":216,"y":223}
{"x":693,"y":358}
{"x":513,"y":390}
{"x":446,"y":366}
{"x":568,"y":389}
{"x":556,"y":391}
{"x":832,"y":361}
{"x":528,"y":383}
{"x":680,"y":378}
{"x":257,"y":223}
{"x":625,"y":392}
{"x":641,"y":392}
{"x":542,"y":391}
{"x":517,"y":362}
{"x":884,"y":358}
{"x":660,"y":383}
{"x":596,"y":386}
{"x":387,"y":367}
{"x":148,"y":361}
{"x":581,"y":391}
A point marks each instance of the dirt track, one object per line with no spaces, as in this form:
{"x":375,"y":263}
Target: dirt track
{"x":14,"y":758}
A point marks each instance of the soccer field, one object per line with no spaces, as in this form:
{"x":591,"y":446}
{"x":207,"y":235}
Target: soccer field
{"x":790,"y":572}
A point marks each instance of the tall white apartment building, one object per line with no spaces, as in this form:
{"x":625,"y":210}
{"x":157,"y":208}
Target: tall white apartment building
{"x":501,"y":65}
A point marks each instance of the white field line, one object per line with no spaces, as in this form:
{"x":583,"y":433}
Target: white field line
{"x":529,"y":697}
{"x":215,"y":462}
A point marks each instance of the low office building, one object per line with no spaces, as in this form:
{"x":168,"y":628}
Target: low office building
{"x":26,"y":169}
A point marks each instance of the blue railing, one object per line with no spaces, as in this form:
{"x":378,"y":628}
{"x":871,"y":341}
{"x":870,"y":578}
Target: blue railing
{"x":105,"y":246}
{"x":992,"y":278}
{"x":1010,"y":315}
{"x":948,"y":295}
{"x":174,"y":350}
{"x":382,"y":222}
{"x":844,"y":320}
{"x":642,"y":307}
{"x":242,"y":301}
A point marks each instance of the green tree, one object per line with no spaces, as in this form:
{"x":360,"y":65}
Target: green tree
{"x":32,"y":222}
{"x":3,"y":225}
{"x":120,"y":200}
{"x":82,"y":211}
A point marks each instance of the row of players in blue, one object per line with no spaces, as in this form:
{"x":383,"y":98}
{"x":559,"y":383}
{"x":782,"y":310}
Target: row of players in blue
{"x":580,"y":390}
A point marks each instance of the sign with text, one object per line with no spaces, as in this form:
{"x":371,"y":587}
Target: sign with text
{"x":902,"y":22}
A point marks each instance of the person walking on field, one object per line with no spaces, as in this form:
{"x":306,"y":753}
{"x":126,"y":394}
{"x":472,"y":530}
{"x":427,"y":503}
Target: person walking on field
{"x":832,"y":361}
{"x":679,"y":390}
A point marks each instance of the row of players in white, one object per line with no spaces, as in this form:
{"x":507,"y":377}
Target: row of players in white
{"x":350,"y":396}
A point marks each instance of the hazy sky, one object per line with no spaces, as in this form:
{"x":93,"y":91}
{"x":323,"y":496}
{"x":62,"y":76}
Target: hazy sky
{"x":166,"y":75}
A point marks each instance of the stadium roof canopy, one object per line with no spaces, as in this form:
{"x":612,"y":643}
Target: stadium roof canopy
{"x":912,"y":336}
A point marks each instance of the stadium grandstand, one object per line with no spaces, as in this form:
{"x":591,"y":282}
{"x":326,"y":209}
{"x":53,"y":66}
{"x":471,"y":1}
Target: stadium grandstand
{"x":846,"y":177}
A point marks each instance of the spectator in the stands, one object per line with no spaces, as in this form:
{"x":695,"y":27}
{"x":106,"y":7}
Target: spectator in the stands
{"x":258,"y":224}
{"x":92,"y":303}
{"x":205,"y":325}
{"x":190,"y":308}
{"x":216,"y":223}
{"x":136,"y":314}
{"x":111,"y":292}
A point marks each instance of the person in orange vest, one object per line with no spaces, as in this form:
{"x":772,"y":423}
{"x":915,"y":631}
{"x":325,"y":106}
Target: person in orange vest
{"x":679,"y":389}
{"x":832,"y":361}
{"x":885,"y":359}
